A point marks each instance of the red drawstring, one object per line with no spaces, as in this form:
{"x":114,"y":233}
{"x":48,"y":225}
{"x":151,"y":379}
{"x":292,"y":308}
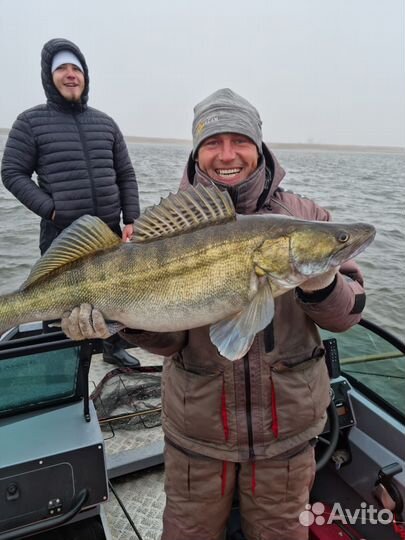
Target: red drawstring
{"x":223,"y":477}
{"x":224,"y":414}
{"x":274,"y":426}
{"x":253,"y":477}
{"x":398,"y":528}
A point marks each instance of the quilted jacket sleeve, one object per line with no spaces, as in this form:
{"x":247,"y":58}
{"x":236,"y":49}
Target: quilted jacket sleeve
{"x":126,"y":179}
{"x":18,"y":165}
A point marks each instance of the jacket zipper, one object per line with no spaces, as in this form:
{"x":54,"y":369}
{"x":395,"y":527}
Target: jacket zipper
{"x":89,"y":171}
{"x":248,"y":407}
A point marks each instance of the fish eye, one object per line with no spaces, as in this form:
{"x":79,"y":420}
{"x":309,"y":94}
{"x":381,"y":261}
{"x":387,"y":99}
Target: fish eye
{"x":343,"y":237}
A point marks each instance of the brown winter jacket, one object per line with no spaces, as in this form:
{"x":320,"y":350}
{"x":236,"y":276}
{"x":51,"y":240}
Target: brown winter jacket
{"x":274,"y":398}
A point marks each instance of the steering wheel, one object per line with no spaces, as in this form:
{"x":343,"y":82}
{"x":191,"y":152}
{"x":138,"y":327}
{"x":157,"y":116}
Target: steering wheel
{"x":329,"y":444}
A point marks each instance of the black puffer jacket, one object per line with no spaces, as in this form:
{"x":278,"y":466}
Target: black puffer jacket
{"x":78,"y":153}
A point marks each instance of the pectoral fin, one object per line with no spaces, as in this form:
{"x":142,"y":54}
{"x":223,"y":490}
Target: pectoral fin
{"x":234,"y":335}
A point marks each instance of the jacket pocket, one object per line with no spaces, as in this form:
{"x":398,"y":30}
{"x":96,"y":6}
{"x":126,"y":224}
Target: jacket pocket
{"x":300,"y":395}
{"x":194,"y":404}
{"x":48,"y":232}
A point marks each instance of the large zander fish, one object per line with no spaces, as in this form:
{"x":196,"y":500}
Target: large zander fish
{"x":191,"y":263}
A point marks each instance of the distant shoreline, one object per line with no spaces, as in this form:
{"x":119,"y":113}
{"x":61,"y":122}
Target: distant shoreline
{"x":281,"y":146}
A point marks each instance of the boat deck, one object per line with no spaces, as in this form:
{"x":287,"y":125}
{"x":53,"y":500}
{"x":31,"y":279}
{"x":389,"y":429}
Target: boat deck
{"x":141,"y":492}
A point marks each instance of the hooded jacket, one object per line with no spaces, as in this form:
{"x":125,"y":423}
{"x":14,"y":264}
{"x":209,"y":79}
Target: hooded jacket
{"x":78,"y":153}
{"x":275,"y":398}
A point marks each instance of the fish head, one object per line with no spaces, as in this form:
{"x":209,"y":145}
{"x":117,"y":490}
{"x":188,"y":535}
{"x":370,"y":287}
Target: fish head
{"x":305,"y":249}
{"x":316,"y":247}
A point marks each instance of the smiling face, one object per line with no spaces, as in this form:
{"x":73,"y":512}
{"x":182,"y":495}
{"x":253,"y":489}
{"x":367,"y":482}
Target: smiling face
{"x":69,"y":81}
{"x":228,"y":158}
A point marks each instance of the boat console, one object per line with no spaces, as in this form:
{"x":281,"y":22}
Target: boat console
{"x":365,"y":477}
{"x":52,"y":462}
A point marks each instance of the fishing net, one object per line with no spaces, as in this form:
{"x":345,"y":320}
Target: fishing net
{"x":129,"y":398}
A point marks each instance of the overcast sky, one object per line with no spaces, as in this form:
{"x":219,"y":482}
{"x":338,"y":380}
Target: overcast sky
{"x":321,"y":71}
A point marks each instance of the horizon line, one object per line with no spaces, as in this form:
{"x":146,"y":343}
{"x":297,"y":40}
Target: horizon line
{"x":280,"y":145}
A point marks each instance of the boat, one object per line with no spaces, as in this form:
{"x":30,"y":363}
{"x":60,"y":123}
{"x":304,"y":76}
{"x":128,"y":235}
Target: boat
{"x":63,"y":459}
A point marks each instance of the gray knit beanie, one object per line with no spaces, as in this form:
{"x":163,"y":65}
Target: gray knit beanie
{"x":225,"y":111}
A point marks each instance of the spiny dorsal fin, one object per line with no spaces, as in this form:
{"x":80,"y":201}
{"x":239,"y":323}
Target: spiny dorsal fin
{"x":184,"y":211}
{"x":86,"y":235}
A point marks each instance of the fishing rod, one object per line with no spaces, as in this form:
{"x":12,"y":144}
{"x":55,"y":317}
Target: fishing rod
{"x":378,"y":374}
{"x":130,"y":521}
{"x":128,"y":416}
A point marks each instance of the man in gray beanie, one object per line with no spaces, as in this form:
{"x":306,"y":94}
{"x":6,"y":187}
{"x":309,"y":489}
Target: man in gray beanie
{"x":80,"y":157}
{"x":226,"y":112}
{"x":228,"y":149}
{"x":247,"y":425}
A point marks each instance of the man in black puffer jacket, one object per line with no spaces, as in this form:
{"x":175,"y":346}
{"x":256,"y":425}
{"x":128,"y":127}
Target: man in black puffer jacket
{"x":79,"y":155}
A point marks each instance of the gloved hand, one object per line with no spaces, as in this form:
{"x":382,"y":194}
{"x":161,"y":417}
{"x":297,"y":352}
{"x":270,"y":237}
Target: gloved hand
{"x":84,"y":322}
{"x":319,"y":282}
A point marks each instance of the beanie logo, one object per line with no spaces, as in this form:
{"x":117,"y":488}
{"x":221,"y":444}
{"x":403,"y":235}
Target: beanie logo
{"x":201,"y":125}
{"x":200,"y":128}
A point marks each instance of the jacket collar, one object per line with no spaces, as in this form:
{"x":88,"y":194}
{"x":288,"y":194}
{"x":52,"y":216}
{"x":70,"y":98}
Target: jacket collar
{"x":245,"y":195}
